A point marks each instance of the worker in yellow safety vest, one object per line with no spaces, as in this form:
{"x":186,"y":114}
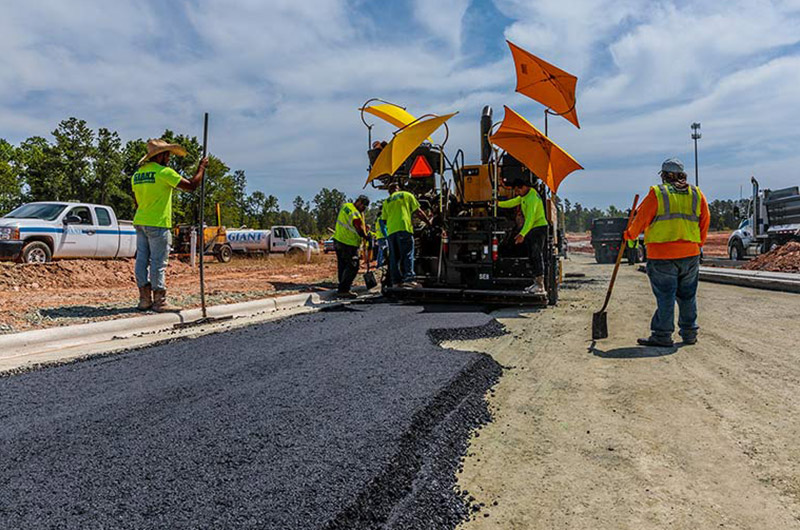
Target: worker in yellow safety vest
{"x":350,"y":230}
{"x":534,"y":230}
{"x":674,"y":217}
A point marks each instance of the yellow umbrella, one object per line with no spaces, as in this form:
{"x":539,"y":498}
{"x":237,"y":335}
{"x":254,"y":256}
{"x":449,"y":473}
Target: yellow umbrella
{"x":397,"y":116}
{"x":549,"y":85}
{"x":403,"y":144}
{"x":541,"y":155}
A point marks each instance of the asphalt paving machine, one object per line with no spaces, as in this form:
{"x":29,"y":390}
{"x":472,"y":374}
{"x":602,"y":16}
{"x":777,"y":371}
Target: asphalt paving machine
{"x":468,"y":252}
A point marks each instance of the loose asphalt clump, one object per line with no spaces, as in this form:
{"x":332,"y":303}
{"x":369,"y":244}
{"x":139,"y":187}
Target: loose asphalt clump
{"x":351,"y":419}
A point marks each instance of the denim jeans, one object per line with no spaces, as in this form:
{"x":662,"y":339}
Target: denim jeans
{"x":152,"y":254}
{"x":401,"y":258}
{"x":674,"y":280}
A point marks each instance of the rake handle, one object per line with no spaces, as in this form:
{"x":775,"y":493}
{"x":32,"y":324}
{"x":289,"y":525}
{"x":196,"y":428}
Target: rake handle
{"x":620,"y":253}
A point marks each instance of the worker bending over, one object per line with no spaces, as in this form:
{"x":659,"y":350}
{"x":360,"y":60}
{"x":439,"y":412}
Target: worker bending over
{"x":396,"y":213}
{"x":350,"y":230}
{"x":152,"y":186}
{"x":534,"y":230}
{"x":674,"y":217}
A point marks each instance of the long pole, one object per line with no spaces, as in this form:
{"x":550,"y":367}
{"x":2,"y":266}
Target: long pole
{"x":696,"y":174}
{"x":201,"y":228}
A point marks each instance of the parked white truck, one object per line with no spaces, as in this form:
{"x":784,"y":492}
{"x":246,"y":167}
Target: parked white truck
{"x":278,"y":239}
{"x":38,"y":232}
{"x":772,"y":219}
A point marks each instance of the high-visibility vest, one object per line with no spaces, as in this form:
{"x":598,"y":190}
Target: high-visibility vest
{"x":346,"y":232}
{"x":677,"y":217}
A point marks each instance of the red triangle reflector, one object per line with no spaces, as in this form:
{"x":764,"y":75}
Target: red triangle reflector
{"x":421,"y":167}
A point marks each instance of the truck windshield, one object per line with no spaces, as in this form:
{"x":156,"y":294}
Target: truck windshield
{"x":46,"y":212}
{"x":292,"y":232}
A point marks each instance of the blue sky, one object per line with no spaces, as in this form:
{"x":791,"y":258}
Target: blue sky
{"x":283,"y":79}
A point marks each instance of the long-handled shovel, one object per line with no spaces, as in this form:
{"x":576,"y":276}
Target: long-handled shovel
{"x":600,"y":319}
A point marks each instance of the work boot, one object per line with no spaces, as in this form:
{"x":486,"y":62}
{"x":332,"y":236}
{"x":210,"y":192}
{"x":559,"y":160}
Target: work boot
{"x":160,"y":304}
{"x":145,"y":298}
{"x":349,"y":295}
{"x":656,"y":341}
{"x":409,"y":285}
{"x":537,"y":287}
{"x":690,"y":339}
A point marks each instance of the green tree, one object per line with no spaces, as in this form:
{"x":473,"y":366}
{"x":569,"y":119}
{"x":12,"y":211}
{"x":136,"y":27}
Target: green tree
{"x":10,"y":180}
{"x":39,"y":168}
{"x":111,"y":186}
{"x":74,"y":149}
{"x":327,"y":205}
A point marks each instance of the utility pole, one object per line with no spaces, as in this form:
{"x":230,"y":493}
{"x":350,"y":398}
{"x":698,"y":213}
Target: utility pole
{"x":696,"y":136}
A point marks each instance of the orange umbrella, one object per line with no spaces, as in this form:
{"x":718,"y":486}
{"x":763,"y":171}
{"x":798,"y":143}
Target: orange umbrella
{"x":549,"y":85}
{"x":541,"y":155}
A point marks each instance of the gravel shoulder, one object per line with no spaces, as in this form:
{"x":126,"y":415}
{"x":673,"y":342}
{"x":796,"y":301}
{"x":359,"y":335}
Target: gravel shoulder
{"x":622,"y":436}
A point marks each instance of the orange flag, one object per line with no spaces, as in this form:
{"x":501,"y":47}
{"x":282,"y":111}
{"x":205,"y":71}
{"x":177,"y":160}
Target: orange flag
{"x":549,"y":85}
{"x":539,"y":153}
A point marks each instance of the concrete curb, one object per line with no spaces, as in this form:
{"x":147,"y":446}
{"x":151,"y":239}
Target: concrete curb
{"x":14,"y":348}
{"x":771,"y":281}
{"x":786,"y":282}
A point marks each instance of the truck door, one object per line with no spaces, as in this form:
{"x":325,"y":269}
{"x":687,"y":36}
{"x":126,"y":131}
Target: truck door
{"x":278,"y":241}
{"x":107,"y":234}
{"x":79,"y":239}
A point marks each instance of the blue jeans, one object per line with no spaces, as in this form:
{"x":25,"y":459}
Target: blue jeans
{"x":401,"y":258}
{"x":152,"y":254}
{"x":674,"y":280}
{"x":383,"y":247}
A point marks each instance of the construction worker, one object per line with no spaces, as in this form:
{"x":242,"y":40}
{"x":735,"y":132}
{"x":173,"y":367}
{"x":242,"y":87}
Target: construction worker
{"x":674,"y":217}
{"x":533,"y":232}
{"x":152,"y":186}
{"x":350,"y":230}
{"x":396,"y":213}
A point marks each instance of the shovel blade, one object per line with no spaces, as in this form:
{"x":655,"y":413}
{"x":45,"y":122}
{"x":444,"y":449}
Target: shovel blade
{"x":369,"y":280}
{"x":599,"y":325}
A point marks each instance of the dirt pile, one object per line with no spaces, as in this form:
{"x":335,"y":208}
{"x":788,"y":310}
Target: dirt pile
{"x":74,"y":274}
{"x":785,"y":258}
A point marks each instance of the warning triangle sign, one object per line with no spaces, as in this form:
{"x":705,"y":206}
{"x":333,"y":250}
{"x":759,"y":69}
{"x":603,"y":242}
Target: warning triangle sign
{"x":421,"y":168}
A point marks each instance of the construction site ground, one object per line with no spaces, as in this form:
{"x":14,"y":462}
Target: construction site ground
{"x":77,"y":291}
{"x":617,"y":436}
{"x":716,"y":244}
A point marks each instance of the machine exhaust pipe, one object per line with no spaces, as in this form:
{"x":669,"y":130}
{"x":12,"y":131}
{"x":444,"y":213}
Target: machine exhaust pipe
{"x":486,"y":126}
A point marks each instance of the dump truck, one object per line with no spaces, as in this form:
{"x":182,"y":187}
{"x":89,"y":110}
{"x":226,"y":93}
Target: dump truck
{"x":771,"y":219}
{"x":607,"y":237}
{"x":468,"y":252}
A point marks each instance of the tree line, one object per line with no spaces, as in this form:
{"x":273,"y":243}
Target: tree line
{"x":80,"y":164}
{"x":83,"y":165}
{"x":723,"y":213}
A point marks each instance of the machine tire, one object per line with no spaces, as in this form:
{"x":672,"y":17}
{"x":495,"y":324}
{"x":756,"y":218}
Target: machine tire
{"x":736,"y":250}
{"x":294,"y":251}
{"x":224,"y":253}
{"x":552,"y":280}
{"x":36,"y":252}
{"x":599,"y":255}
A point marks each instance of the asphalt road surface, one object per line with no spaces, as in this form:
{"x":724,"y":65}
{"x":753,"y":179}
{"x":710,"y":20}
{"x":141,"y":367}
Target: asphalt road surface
{"x":346,"y":419}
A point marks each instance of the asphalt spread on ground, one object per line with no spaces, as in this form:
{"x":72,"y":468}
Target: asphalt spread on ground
{"x":347,"y":419}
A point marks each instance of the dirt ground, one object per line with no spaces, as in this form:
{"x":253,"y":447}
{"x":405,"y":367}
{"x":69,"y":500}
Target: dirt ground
{"x":76,"y":291}
{"x":625,"y":437}
{"x":716,"y":244}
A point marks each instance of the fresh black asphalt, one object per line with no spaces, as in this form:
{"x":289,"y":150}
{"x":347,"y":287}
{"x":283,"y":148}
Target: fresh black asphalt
{"x":347,"y":419}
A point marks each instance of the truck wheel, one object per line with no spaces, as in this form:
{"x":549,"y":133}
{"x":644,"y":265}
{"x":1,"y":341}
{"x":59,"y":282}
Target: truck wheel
{"x":294,"y":252}
{"x":36,"y":252}
{"x":599,"y":255}
{"x":736,"y":250}
{"x":224,"y":254}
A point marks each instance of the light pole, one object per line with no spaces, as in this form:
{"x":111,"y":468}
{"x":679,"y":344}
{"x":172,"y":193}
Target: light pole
{"x":696,"y":136}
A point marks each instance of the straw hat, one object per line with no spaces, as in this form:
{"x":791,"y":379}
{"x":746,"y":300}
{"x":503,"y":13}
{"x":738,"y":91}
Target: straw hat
{"x":157,"y":145}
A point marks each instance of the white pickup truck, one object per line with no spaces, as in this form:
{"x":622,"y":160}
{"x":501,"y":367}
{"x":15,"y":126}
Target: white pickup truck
{"x":38,"y":232}
{"x":279,"y":239}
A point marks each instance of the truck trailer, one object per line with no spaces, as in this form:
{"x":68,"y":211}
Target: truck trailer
{"x":771,"y":219}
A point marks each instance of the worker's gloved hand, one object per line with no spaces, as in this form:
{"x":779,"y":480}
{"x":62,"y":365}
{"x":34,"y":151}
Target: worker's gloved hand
{"x":519,"y":239}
